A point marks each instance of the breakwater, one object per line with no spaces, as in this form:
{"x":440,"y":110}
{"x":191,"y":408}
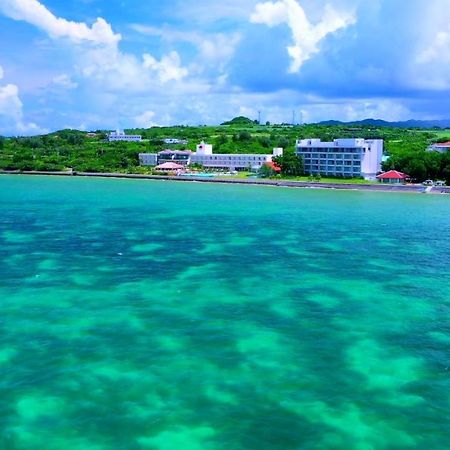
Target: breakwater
{"x":409,"y":188}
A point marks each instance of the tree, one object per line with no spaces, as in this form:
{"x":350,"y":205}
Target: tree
{"x":265,"y":141}
{"x":240,"y":120}
{"x":290,"y":163}
{"x":222,"y":139}
{"x":244,"y":136}
{"x":416,"y":169}
{"x":266,"y":171}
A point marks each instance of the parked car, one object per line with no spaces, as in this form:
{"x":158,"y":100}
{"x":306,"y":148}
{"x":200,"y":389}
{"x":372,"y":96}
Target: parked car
{"x":428,"y":183}
{"x":439,"y":183}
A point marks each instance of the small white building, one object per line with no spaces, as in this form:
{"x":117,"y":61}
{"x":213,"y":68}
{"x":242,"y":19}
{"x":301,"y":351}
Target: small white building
{"x":174,"y":141}
{"x":204,"y":149}
{"x":120,"y":136}
{"x":441,"y":147}
{"x":342,"y":157}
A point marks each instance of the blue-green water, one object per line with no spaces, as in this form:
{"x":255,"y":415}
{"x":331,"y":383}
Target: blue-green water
{"x":161,"y":315}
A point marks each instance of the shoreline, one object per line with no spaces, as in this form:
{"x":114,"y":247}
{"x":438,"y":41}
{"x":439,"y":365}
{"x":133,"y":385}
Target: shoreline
{"x":418,"y":189}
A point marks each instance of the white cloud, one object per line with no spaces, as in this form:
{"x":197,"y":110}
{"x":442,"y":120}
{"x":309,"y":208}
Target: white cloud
{"x":97,"y":54}
{"x":306,"y":36}
{"x":11,"y":111}
{"x":35,"y":13}
{"x":206,"y":12}
{"x":213,"y":48}
{"x":168,"y":68}
{"x":438,"y":49}
{"x":145,"y":120}
{"x":64,"y":81}
{"x":433,"y":61}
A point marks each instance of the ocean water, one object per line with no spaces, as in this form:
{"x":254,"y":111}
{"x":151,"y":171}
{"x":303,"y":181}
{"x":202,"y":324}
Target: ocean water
{"x":162,"y":315}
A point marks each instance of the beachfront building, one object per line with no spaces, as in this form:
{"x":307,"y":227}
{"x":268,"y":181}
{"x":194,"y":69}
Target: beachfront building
{"x":393,"y":177}
{"x":120,"y":136}
{"x":182,"y":157}
{"x":170,"y":167}
{"x":205,"y":157}
{"x":230,"y":161}
{"x":350,"y":158}
{"x":148,"y":159}
{"x":441,"y":147}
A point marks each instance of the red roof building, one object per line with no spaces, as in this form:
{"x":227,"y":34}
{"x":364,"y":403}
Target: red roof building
{"x":274,"y":166}
{"x":393,"y":176}
{"x":169,"y":167}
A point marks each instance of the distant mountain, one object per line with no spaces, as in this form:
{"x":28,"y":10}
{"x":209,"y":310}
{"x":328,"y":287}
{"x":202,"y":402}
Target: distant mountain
{"x":383,"y":123}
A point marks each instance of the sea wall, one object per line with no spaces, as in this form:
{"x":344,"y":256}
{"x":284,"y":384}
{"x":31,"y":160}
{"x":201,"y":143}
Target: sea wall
{"x":412,"y":188}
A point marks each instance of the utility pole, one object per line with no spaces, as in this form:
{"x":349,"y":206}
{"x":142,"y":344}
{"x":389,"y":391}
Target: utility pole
{"x":259,"y":117}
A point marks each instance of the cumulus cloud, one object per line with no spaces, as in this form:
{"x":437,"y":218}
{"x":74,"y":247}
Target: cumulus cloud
{"x":213,"y":48}
{"x":96,"y":48}
{"x":35,"y":13}
{"x":11,"y":111}
{"x":439,"y":48}
{"x":145,"y":120}
{"x":432,"y":69}
{"x":168,"y":68}
{"x":306,"y":36}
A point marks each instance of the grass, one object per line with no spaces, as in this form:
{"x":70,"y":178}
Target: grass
{"x":331,"y":180}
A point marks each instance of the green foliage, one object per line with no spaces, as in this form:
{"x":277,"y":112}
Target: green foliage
{"x":443,"y":139}
{"x":72,"y":149}
{"x":290,"y":164}
{"x":240,"y":120}
{"x":266,"y":171}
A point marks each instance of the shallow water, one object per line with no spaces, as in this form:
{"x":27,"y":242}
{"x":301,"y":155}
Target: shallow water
{"x":161,"y":315}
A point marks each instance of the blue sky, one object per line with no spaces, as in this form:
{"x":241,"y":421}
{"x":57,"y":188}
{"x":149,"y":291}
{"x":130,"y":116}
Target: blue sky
{"x":95,"y":64}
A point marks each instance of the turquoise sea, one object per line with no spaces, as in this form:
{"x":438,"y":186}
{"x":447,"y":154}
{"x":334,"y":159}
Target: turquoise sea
{"x":162,"y":315}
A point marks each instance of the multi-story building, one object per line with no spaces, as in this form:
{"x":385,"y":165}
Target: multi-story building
{"x":342,"y":157}
{"x":231,"y":161}
{"x":204,"y":156}
{"x":148,"y":159}
{"x":116,"y":136}
{"x":177,"y":156}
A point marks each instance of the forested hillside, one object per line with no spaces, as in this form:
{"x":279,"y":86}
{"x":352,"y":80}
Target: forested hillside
{"x":83,"y":151}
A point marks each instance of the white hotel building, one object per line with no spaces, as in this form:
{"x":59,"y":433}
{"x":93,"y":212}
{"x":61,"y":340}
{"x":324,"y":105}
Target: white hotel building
{"x":205,"y":157}
{"x":342,"y":157}
{"x":120,"y":136}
